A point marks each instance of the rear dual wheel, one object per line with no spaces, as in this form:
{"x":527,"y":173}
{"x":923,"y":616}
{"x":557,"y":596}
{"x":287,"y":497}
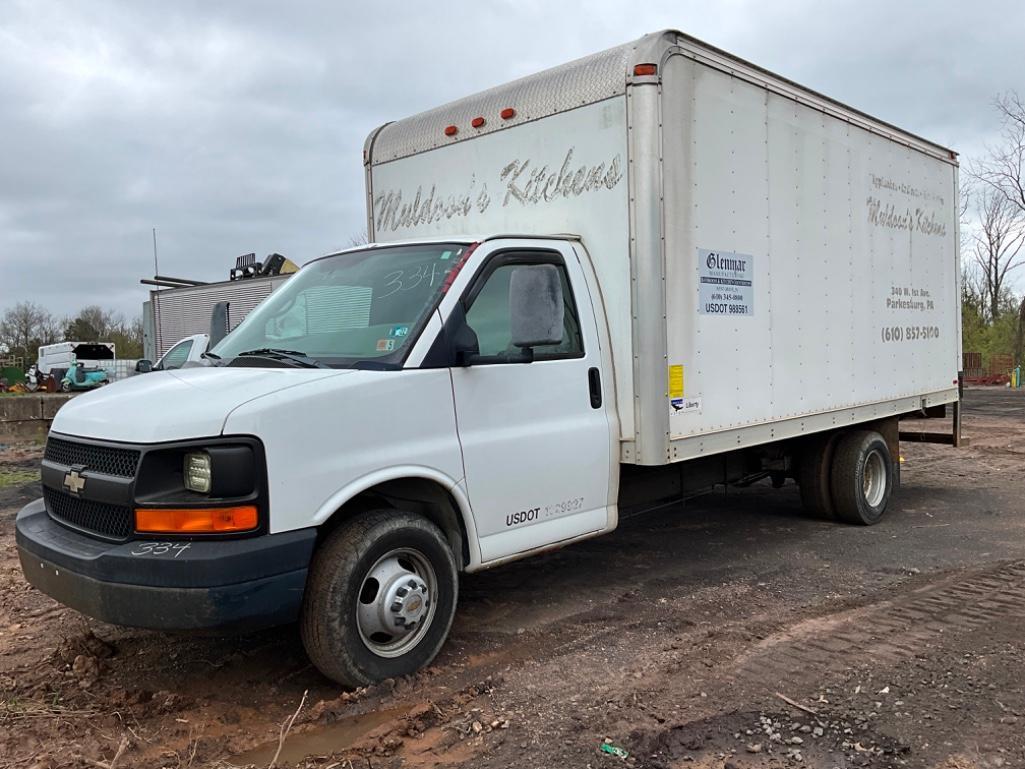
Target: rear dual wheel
{"x":849,"y":476}
{"x":813,"y":475}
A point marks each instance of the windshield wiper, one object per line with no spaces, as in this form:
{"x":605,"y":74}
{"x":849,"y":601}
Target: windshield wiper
{"x":212,"y":357}
{"x":296,"y":356}
{"x":375,"y":365}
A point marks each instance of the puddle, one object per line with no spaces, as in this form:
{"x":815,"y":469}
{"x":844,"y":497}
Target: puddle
{"x":320,"y":741}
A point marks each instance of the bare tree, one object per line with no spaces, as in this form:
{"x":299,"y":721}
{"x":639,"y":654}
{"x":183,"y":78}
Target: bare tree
{"x":92,"y":324}
{"x":1004,"y":168}
{"x":971,"y":287}
{"x":26,"y":326}
{"x":996,"y":245}
{"x":126,"y":336}
{"x":964,"y":211}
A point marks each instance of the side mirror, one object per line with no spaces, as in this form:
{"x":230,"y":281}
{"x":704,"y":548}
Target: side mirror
{"x":535,"y":306}
{"x":143,"y":366}
{"x":218,"y":323}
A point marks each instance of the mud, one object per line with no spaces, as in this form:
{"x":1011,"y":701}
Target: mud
{"x":730,"y":632}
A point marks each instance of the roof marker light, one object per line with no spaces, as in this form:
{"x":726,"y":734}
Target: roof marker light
{"x":641,"y":70}
{"x":508,"y":113}
{"x":477,"y":122}
{"x":451,"y":130}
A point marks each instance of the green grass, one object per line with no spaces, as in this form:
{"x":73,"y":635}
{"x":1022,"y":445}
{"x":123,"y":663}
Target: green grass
{"x":18,"y":477}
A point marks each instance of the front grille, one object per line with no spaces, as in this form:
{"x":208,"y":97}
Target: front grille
{"x":100,"y":518}
{"x":107,"y":460}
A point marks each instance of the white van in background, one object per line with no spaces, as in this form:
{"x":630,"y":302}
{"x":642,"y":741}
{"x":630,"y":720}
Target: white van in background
{"x":183,"y":354}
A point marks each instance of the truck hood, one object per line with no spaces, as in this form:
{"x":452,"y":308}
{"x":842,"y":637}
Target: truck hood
{"x":176,"y":405}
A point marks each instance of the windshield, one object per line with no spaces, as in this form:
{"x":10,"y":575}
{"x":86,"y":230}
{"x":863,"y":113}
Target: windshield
{"x":357,"y":306}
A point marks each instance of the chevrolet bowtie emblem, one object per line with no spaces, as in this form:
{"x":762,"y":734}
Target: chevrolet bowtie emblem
{"x":74,"y":482}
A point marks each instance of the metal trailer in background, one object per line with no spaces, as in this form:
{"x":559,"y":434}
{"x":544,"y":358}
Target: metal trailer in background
{"x":175,"y":313}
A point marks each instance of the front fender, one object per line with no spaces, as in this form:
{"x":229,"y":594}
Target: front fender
{"x":403,"y":472}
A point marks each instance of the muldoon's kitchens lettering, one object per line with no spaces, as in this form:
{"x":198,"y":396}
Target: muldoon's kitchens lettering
{"x":523,"y":183}
{"x":921,"y":220}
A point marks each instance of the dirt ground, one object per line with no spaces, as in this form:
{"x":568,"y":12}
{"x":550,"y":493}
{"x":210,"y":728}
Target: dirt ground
{"x":733,"y":632}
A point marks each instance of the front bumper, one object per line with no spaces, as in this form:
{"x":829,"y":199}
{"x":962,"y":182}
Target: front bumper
{"x":231,"y":584}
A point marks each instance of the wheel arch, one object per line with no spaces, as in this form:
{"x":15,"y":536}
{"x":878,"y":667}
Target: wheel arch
{"x":415,"y":489}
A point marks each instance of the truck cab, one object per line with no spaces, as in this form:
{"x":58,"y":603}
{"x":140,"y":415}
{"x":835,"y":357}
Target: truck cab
{"x":391,"y":416}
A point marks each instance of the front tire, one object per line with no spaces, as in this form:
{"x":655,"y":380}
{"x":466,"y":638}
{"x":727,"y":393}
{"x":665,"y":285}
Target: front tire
{"x":862,"y":477}
{"x":380,"y":598}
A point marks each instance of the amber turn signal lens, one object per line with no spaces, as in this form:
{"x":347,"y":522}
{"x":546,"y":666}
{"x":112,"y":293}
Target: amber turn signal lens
{"x":640,"y":70}
{"x":196,"y":521}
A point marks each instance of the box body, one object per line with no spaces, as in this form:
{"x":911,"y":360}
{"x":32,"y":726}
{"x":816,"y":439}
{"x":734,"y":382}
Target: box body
{"x":770,"y":262}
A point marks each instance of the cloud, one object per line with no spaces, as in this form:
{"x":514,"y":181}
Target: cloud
{"x":237,"y":127}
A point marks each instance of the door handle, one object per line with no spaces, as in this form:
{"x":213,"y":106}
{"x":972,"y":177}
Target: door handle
{"x":594,"y":384}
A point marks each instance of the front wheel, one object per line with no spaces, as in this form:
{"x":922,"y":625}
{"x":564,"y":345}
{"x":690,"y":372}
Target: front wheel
{"x":380,"y":598}
{"x":65,"y":386}
{"x":861,"y":477}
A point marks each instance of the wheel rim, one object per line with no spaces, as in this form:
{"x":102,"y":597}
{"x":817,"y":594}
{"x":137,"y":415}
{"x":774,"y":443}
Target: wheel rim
{"x":396,"y":602}
{"x":874,"y":480}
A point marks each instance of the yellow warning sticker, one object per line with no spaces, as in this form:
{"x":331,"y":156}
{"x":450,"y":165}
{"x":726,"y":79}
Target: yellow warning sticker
{"x":676,"y":381}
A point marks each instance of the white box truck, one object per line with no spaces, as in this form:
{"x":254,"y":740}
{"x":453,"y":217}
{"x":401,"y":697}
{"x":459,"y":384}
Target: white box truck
{"x":615,"y":283}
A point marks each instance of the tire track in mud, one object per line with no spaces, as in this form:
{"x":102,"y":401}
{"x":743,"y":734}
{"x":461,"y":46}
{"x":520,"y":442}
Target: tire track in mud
{"x":926,"y":625}
{"x":894,"y":630}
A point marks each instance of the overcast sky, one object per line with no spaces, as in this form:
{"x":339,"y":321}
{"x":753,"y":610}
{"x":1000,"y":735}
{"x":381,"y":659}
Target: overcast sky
{"x":237,"y":127}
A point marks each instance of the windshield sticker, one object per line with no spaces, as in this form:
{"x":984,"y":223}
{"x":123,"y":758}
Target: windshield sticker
{"x":385,"y":345}
{"x":399,"y":331}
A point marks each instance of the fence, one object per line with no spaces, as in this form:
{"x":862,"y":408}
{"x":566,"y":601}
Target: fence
{"x":972,"y":365}
{"x":997,"y":370}
{"x":120,"y":369}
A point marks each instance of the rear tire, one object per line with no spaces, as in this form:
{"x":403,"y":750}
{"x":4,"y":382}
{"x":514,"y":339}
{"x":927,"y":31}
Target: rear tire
{"x":380,"y":598}
{"x":862,"y":477}
{"x":814,"y":476}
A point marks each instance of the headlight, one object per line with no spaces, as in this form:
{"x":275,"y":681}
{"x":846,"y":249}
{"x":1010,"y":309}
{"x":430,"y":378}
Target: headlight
{"x":197,"y":472}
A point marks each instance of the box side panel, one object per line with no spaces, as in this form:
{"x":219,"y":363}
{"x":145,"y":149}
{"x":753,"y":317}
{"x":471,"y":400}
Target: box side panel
{"x":811,"y":265}
{"x":566,"y":173}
